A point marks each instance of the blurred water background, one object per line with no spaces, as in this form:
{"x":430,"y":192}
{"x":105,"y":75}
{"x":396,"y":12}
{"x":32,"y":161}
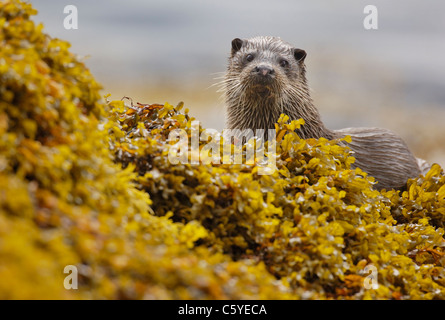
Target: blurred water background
{"x":171,"y":51}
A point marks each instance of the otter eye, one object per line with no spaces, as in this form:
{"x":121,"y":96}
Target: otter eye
{"x":284,"y":63}
{"x":249,"y":57}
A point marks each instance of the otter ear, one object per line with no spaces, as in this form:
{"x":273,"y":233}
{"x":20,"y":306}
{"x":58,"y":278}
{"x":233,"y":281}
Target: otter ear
{"x":299,"y":54}
{"x":237,"y":43}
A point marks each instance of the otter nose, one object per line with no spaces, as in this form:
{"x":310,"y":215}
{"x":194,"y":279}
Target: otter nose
{"x":264,"y":70}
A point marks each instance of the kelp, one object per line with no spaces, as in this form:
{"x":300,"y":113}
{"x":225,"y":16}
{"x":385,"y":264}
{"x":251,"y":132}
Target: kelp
{"x":88,"y":182}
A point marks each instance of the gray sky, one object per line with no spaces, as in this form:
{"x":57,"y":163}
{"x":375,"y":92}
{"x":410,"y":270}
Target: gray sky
{"x":183,"y":38}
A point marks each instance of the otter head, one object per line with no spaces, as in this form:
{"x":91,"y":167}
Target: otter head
{"x":265,"y":66}
{"x":265,"y":78}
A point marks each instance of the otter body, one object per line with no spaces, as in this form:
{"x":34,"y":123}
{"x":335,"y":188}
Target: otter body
{"x":267,"y":77}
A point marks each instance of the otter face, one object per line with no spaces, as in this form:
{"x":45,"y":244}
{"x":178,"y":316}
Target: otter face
{"x":265,"y":65}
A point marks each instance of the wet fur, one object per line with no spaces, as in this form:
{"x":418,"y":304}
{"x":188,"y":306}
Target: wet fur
{"x":379,"y":152}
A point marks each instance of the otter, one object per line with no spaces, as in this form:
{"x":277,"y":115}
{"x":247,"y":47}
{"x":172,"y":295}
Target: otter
{"x":266,"y":77}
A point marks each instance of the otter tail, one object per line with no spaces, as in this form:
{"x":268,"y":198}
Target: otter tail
{"x":423,"y":166}
{"x":383,"y":155}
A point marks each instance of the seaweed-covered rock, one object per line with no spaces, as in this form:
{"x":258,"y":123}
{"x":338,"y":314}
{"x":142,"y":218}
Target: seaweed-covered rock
{"x":89,"y":183}
{"x":63,"y":201}
{"x":314,"y":222}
